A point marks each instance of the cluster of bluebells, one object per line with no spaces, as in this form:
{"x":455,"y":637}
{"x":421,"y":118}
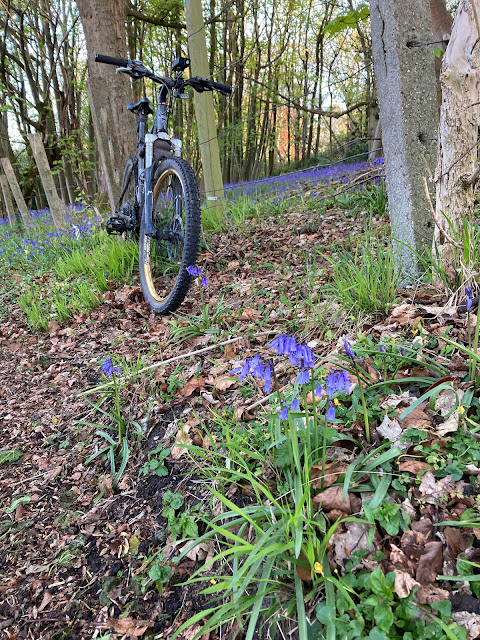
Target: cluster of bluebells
{"x":30,"y":247}
{"x":300,"y":355}
{"x":258,"y":369}
{"x":276,"y":187}
{"x":109,"y":369}
{"x":197,"y":271}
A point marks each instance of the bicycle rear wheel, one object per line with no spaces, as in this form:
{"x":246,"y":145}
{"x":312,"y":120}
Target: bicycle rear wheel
{"x":164,"y":258}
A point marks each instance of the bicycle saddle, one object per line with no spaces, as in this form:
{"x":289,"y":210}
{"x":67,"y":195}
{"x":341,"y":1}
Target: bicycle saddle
{"x":144,"y":102}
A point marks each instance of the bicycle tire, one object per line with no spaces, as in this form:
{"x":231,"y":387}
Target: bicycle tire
{"x":176,"y":215}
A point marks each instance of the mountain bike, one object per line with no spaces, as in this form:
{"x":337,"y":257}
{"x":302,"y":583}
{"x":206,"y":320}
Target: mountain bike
{"x":160,"y":201}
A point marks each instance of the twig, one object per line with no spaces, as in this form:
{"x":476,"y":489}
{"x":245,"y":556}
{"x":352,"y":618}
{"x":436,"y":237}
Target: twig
{"x":182,"y":356}
{"x":472,"y":178}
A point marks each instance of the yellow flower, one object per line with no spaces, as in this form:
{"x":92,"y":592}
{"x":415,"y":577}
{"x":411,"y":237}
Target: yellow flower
{"x":336,"y":402}
{"x":317,"y":567}
{"x":414,"y":331}
{"x":392,"y":340}
{"x":461,"y":410}
{"x":213,"y":581}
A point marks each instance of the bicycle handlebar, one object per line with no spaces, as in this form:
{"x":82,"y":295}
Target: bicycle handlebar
{"x":117,"y":62}
{"x":137,"y":70}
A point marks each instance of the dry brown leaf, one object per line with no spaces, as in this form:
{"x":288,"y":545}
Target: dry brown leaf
{"x":182,"y":439}
{"x":192,"y":385}
{"x":434,"y":491}
{"x":331,"y":498}
{"x":404,"y":584}
{"x":130,"y":626}
{"x":392,"y":430}
{"x":456,"y":540}
{"x":469,"y":621}
{"x":354,"y":538}
{"x":333,"y":470}
{"x":304,"y":571}
{"x":417,"y":418}
{"x":223,"y":383}
{"x":430,"y":563}
{"x":47,"y":598}
{"x":404,"y":314}
{"x":444,"y":404}
{"x":413,"y":466}
{"x":429,"y":593}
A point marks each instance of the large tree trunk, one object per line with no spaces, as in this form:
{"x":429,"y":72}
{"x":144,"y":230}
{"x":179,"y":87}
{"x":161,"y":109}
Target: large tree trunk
{"x":104,"y":28}
{"x":458,"y":131}
{"x":405,"y":79}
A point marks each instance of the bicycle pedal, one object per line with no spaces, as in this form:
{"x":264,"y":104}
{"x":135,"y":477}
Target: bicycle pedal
{"x":116,"y":225}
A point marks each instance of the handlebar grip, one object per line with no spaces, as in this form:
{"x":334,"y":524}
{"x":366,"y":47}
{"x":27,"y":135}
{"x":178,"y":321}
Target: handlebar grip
{"x":117,"y":62}
{"x":224,"y":88}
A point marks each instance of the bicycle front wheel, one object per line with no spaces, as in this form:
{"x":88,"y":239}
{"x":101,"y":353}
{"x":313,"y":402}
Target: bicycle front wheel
{"x":164,"y":257}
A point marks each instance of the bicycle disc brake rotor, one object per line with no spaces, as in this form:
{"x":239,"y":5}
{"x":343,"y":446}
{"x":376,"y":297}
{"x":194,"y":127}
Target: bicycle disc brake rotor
{"x":168,"y":218}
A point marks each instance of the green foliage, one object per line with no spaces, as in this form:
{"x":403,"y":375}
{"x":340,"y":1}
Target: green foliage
{"x":380,"y":615}
{"x":180,"y":522}
{"x":348,"y":20}
{"x":367,"y":281}
{"x":156,"y":462}
{"x":10,"y":455}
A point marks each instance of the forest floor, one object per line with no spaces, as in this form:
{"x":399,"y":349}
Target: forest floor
{"x":75,"y":567}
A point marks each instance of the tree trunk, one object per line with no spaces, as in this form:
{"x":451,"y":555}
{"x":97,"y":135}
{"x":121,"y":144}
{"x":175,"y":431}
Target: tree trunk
{"x":104,"y":28}
{"x":405,"y":79}
{"x":458,"y":131}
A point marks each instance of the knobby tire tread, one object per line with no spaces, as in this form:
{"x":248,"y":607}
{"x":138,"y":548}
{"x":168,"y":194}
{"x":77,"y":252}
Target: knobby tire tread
{"x":192,"y":237}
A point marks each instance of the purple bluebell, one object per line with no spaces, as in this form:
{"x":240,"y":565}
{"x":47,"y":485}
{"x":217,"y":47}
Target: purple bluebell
{"x":348,"y":349}
{"x":294,"y":405}
{"x":245,"y":370}
{"x":382,"y":349}
{"x":284,"y":413}
{"x":108,"y":369}
{"x":337,"y":381}
{"x":331,"y":413}
{"x":204,"y":281}
{"x":318,"y":391}
{"x":257,"y":367}
{"x":278,"y":344}
{"x":303,"y":377}
{"x":469,"y":292}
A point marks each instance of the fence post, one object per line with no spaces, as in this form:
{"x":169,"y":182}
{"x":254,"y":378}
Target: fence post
{"x":15,"y":189}
{"x":57,"y":208}
{"x":7,"y":198}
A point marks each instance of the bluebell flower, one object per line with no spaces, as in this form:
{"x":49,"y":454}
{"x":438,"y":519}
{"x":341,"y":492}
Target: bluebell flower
{"x":245,"y":370}
{"x":331,"y":413}
{"x":303,"y":377}
{"x":469,"y":290}
{"x":337,"y":381}
{"x":278,"y":344}
{"x":294,"y":406}
{"x":318,"y":391}
{"x":257,"y":367}
{"x":382,"y":349}
{"x":284,"y":413}
{"x":204,"y":281}
{"x":348,"y":349}
{"x":109,"y":369}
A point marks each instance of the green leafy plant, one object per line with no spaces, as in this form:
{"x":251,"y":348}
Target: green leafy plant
{"x":10,"y":455}
{"x":156,"y":462}
{"x":180,"y":522}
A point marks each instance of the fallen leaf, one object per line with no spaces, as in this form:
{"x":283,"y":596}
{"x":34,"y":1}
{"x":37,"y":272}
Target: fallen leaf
{"x":434,"y":491}
{"x":331,"y":498}
{"x":404,"y":314}
{"x":392,"y":430}
{"x":457,"y":540}
{"x":469,"y":621}
{"x":47,"y":598}
{"x":223,"y":383}
{"x":404,"y":584}
{"x":304,"y":571}
{"x":413,"y":466}
{"x":429,"y":593}
{"x":430,"y":563}
{"x":130,"y":626}
{"x":333,"y":470}
{"x":444,"y":404}
{"x":192,"y":385}
{"x":354,"y":538}
{"x":416,"y":419}
{"x":182,"y":439}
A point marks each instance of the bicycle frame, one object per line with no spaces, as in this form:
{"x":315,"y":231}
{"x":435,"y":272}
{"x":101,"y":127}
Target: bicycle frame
{"x":146,"y":159}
